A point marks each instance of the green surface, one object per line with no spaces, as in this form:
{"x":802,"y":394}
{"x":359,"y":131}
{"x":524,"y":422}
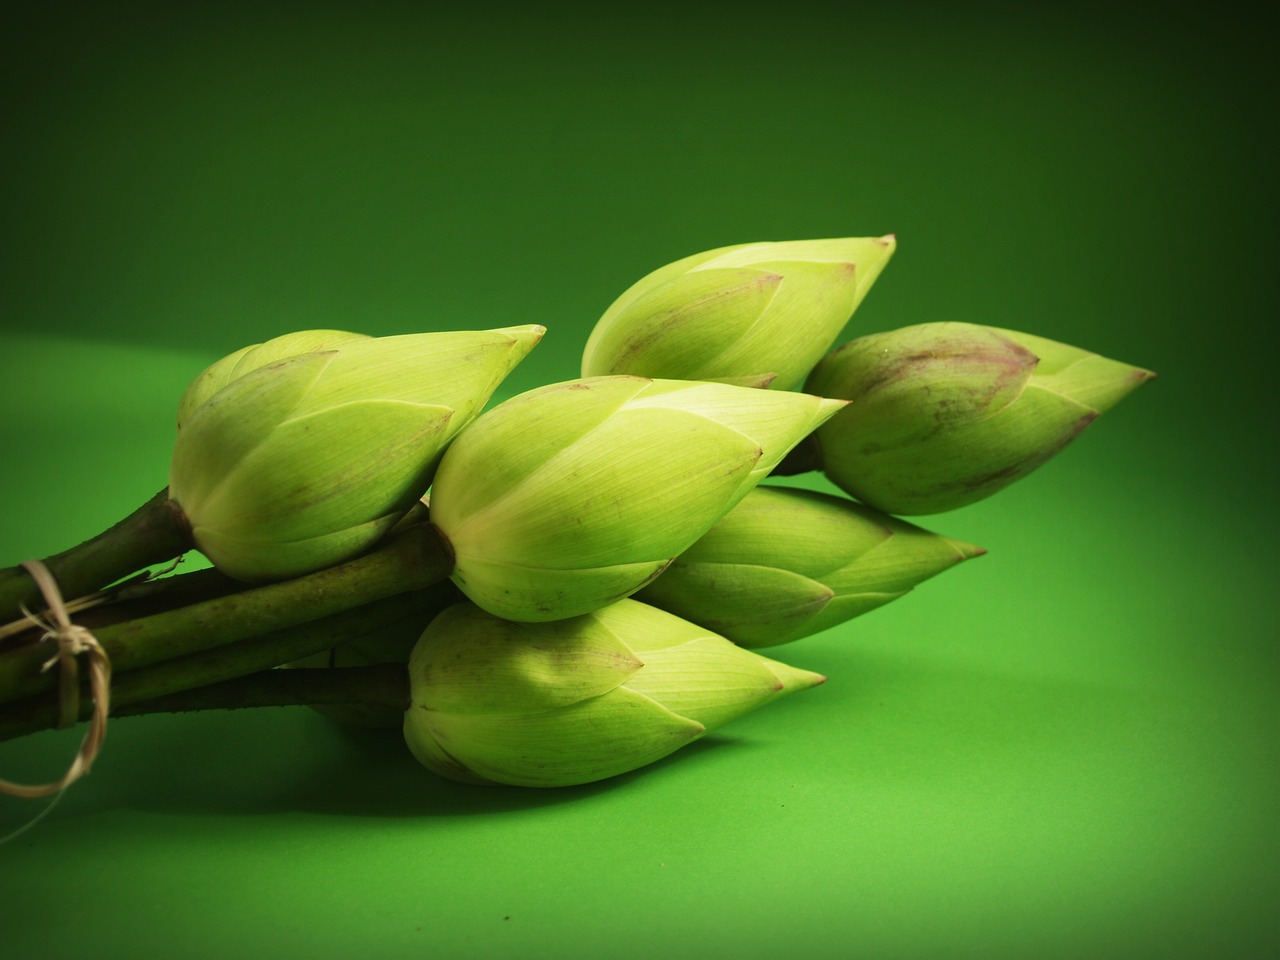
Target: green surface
{"x":1064,"y":748}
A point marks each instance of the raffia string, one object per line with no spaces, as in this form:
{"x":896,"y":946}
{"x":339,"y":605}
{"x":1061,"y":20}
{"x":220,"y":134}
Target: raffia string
{"x":72,"y":641}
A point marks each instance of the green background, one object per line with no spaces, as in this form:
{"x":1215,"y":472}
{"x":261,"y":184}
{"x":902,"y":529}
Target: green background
{"x":1065,"y":748}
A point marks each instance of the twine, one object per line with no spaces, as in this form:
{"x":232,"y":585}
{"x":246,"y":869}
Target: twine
{"x":72,"y":641}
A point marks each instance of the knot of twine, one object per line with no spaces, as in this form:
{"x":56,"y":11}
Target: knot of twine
{"x":72,"y":641}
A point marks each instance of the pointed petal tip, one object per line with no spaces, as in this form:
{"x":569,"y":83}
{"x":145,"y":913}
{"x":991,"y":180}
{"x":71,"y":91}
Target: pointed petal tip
{"x":521,"y":340}
{"x":795,"y":678}
{"x":830,"y":406}
{"x":1103,"y":396}
{"x":529,"y":333}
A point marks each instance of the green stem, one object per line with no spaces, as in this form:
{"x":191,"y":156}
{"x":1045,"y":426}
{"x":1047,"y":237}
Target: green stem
{"x":414,"y":559}
{"x":405,"y":616}
{"x":382,"y":683}
{"x":154,"y":533}
{"x":129,"y":600}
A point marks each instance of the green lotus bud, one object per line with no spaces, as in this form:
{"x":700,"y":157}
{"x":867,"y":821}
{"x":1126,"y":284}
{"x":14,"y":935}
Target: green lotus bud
{"x":569,"y":497}
{"x":234,"y":365}
{"x":785,"y":563}
{"x":944,"y":414}
{"x":557,"y":704}
{"x":754,"y":314}
{"x":308,"y":460}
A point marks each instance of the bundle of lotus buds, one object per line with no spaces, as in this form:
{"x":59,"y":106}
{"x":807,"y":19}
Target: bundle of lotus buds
{"x":570,"y":584}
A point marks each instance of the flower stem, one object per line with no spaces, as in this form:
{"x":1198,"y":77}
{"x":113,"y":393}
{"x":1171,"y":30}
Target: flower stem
{"x":381,"y":683}
{"x":411,"y":560}
{"x":405,"y":615}
{"x":154,"y":533}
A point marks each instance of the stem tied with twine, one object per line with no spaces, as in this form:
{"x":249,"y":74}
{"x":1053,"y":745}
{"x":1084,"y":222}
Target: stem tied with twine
{"x":72,"y":641}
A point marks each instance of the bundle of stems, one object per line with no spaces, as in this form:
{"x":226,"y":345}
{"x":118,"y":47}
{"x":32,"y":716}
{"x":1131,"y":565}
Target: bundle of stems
{"x":174,"y":642}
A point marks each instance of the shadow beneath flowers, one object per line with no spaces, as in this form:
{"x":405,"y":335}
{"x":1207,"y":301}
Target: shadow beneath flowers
{"x":285,"y":760}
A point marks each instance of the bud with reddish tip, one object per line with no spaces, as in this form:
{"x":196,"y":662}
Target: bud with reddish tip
{"x":944,"y":414}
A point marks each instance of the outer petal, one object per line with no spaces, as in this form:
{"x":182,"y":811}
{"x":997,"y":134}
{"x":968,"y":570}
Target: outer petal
{"x":456,"y":369}
{"x":212,"y":379}
{"x":323,"y":472}
{"x":290,"y":345}
{"x":676,"y":327}
{"x":645,"y":628}
{"x":868,"y":256}
{"x":697,"y":319}
{"x":909,"y":384}
{"x":895,"y":566}
{"x":420,"y":729}
{"x":966,"y":463}
{"x":251,"y":559}
{"x":501,"y":449}
{"x":587,"y":741}
{"x":751,"y":605}
{"x":774,"y":420}
{"x":1089,"y":379}
{"x":247,"y":359}
{"x":471,"y":662}
{"x":812,"y":306}
{"x":227,"y":427}
{"x":804,"y":531}
{"x":640,"y":486}
{"x":787,"y":563}
{"x":708,"y":680}
{"x":591,"y":359}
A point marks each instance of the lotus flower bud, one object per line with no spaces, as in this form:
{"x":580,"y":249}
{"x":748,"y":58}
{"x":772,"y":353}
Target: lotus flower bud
{"x":785,"y":563}
{"x":556,"y":704}
{"x":569,"y":497}
{"x":944,"y":414}
{"x":308,"y":460}
{"x":755,"y":314}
